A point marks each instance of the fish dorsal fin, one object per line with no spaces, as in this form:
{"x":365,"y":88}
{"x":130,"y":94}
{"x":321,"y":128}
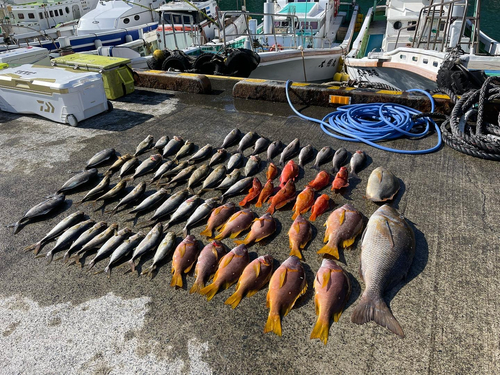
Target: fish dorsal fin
{"x":325,"y":280}
{"x":256,"y":268}
{"x":342,"y":217}
{"x":182,"y":250}
{"x":227,"y":259}
{"x":283,"y":277}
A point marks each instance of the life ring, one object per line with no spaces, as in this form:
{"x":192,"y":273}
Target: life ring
{"x":275,"y":47}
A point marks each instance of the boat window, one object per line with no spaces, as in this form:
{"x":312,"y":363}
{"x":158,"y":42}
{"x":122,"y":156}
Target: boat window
{"x":397,"y":25}
{"x":61,"y":12}
{"x":21,"y":16}
{"x":186,"y":19}
{"x":435,"y":64}
{"x":40,"y":15}
{"x":136,"y":17}
{"x":31,"y":16}
{"x":314,"y":25}
{"x":426,"y":61}
{"x":414,"y":58}
{"x":67,"y":10}
{"x":126,"y":21}
{"x":402,"y":57}
{"x":167,"y":17}
{"x":51,"y":13}
{"x":412,"y":24}
{"x":441,"y":26}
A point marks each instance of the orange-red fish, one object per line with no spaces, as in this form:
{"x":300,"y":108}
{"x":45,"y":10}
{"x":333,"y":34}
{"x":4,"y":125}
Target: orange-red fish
{"x":304,"y":202}
{"x":265,"y":193}
{"x":236,"y":224}
{"x":332,"y":291}
{"x":299,"y":235}
{"x":253,"y":278}
{"x":230,"y":268}
{"x":290,"y":172}
{"x":340,"y":180}
{"x":185,"y":255}
{"x":253,"y":192}
{"x":272,"y":172}
{"x":321,"y":180}
{"x":207,"y":264}
{"x":282,"y":197}
{"x":218,"y":217}
{"x":287,"y":284}
{"x":342,"y":227}
{"x":262,"y":227}
{"x":320,"y":206}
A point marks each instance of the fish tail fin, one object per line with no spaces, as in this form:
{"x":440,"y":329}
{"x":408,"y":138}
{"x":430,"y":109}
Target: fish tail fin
{"x":239,"y":242}
{"x":132,"y":265}
{"x":176,"y":280}
{"x":273,"y":323}
{"x":91,"y":264}
{"x":220,"y":236}
{"x":147,"y":270}
{"x":206,"y":232}
{"x":32,"y":247}
{"x":321,"y":330}
{"x":296,"y":251}
{"x":184,"y":232}
{"x":209,"y":291}
{"x":377,"y":310}
{"x":258,"y":204}
{"x":353,"y":174}
{"x":16,"y":226}
{"x":111,"y":212}
{"x":313,"y":216}
{"x":296,"y":213}
{"x":197,"y":286}
{"x":107,"y":270}
{"x":190,"y":190}
{"x":270,"y":210}
{"x":330,"y":250}
{"x":234,"y":300}
{"x":66,"y":256}
{"x":49,"y":256}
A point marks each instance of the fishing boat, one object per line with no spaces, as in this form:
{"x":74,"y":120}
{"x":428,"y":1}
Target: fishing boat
{"x":424,"y":44}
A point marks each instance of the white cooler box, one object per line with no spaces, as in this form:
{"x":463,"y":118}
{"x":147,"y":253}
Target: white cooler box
{"x":61,"y":95}
{"x":25,"y":55}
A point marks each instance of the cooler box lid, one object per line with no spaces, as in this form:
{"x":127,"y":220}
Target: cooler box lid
{"x":83,"y":61}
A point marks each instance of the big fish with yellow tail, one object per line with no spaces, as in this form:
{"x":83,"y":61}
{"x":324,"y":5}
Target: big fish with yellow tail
{"x":218,"y":217}
{"x":261,"y":228}
{"x":207,"y":264}
{"x":185,"y":255}
{"x":287,"y":284}
{"x":230,"y":268}
{"x":387,"y":251}
{"x":342,"y":227}
{"x":299,"y":235}
{"x":236,"y":224}
{"x":332,"y":290}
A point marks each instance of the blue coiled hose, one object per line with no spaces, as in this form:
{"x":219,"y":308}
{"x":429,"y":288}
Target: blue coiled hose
{"x":370,"y":123}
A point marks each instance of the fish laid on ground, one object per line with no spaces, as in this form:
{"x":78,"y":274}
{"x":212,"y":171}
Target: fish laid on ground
{"x":261,"y":228}
{"x":273,"y":150}
{"x":323,"y":156}
{"x":260,"y":145}
{"x":213,"y":178}
{"x":320,"y":206}
{"x":229,"y":181}
{"x":78,"y":180}
{"x":290,"y":151}
{"x":186,"y":149}
{"x":234,"y":161}
{"x":160,"y":143}
{"x":67,"y":222}
{"x":164,"y":249}
{"x":219,"y":156}
{"x":282,"y":197}
{"x":109,"y":246}
{"x":382,"y":185}
{"x":265,"y":193}
{"x":184,"y":257}
{"x":218,"y":217}
{"x":207,"y":264}
{"x":172,"y":146}
{"x":231,"y":138}
{"x":290,"y":172}
{"x":253,"y":278}
{"x":178,"y":169}
{"x":341,"y":180}
{"x":185,"y":209}
{"x":100,"y":157}
{"x":128,"y":166}
{"x":148,"y":165}
{"x":387,"y":251}
{"x":306,"y":154}
{"x":122,"y":250}
{"x":113,"y":193}
{"x":150,"y":201}
{"x":321,"y":181}
{"x":200,"y":213}
{"x":118,"y":164}
{"x":162,"y":169}
{"x":331,"y":293}
{"x":252,"y":165}
{"x":237,"y":188}
{"x":42,"y":208}
{"x":84,"y":238}
{"x":287,"y":284}
{"x":304,"y":202}
{"x":195,"y":178}
{"x":253,"y":193}
{"x":136,"y":193}
{"x":148,"y":243}
{"x":170,"y":205}
{"x":339,"y":159}
{"x":201,"y":154}
{"x":299,"y":235}
{"x":272,"y":172}
{"x":145,"y":145}
{"x":342,"y":227}
{"x":98,"y":240}
{"x":230,"y":269}
{"x":246,"y":142}
{"x":184,"y":174}
{"x":357,"y":161}
{"x":237,"y":223}
{"x":97,"y":191}
{"x":67,"y":238}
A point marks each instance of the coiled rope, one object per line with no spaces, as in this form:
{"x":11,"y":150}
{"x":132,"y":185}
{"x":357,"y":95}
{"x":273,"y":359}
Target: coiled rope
{"x":374,"y":122}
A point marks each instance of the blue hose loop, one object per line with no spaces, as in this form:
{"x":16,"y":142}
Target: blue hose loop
{"x":374,"y":122}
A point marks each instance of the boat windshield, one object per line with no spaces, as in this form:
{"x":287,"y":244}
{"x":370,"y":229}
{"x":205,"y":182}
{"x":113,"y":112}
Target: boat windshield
{"x":181,"y":18}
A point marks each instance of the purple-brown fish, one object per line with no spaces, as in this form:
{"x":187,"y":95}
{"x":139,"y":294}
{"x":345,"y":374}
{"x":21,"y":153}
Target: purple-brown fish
{"x":185,"y":255}
{"x":236,"y":224}
{"x":207,"y":264}
{"x":262,"y":227}
{"x":218,"y":217}
{"x":299,"y":235}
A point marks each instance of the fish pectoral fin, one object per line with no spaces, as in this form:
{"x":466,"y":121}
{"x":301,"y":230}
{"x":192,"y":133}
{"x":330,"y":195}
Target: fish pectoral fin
{"x":283,"y":277}
{"x":377,"y":310}
{"x":189,"y":268}
{"x":215,"y":253}
{"x":386,"y":232}
{"x":316,"y":304}
{"x":342,"y":217}
{"x":325,"y":279}
{"x":182,"y":251}
{"x":256,"y":269}
{"x":336,"y":315}
{"x":348,"y":242}
{"x":227,"y":259}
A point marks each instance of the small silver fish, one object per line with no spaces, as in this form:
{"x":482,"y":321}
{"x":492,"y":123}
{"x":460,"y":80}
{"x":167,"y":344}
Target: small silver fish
{"x":97,"y":191}
{"x":100,"y":157}
{"x":166,"y":246}
{"x":148,"y":243}
{"x":230,"y":180}
{"x":323,"y":155}
{"x":234,"y":161}
{"x":260,"y":145}
{"x":117,"y":189}
{"x":201,"y":154}
{"x":306,"y":154}
{"x":173,"y":146}
{"x":237,"y":188}
{"x":134,"y":195}
{"x":273,"y":150}
{"x":85,"y":237}
{"x":213,"y":178}
{"x":98,"y":240}
{"x":160,"y":143}
{"x":128,"y":166}
{"x":252,"y":165}
{"x":357,"y":160}
{"x":109,"y":246}
{"x":125,"y":247}
{"x":170,"y":204}
{"x":150,"y":201}
{"x":148,"y":165}
{"x":162,"y":169}
{"x":118,"y":164}
{"x":245,"y":142}
{"x":231,"y":138}
{"x":290,"y":151}
{"x":186,"y":149}
{"x":145,"y":145}
{"x":200,"y":213}
{"x":184,"y":209}
{"x":196,"y":177}
{"x":339,"y":159}
{"x":78,"y":180}
{"x":218,"y":157}
{"x":181,"y":176}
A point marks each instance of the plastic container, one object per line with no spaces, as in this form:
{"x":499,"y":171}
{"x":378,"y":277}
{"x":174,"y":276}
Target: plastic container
{"x":57,"y":94}
{"x":26,"y":55}
{"x":116,"y":74}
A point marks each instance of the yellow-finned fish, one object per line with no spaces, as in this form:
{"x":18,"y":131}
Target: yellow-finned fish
{"x":184,"y":257}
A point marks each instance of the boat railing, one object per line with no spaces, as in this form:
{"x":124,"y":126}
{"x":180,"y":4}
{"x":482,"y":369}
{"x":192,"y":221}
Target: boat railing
{"x":183,"y":34}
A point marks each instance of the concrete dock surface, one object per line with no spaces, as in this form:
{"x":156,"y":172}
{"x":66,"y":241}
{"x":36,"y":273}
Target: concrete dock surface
{"x":60,"y":319}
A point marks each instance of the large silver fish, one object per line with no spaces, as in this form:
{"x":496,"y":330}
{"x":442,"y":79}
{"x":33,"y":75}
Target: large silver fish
{"x":128,"y":166}
{"x":181,"y":176}
{"x":98,"y":240}
{"x":213,"y":178}
{"x":118,"y":164}
{"x":273,"y":150}
{"x":306,"y":154}
{"x":230,"y":180}
{"x":218,"y":157}
{"x":134,"y":195}
{"x":117,"y":189}
{"x":148,"y":243}
{"x":170,"y":204}
{"x":162,"y":169}
{"x":125,"y":247}
{"x":197,"y":176}
{"x":339,"y":159}
{"x":237,"y":188}
{"x":184,"y":210}
{"x":186,"y":149}
{"x":246,"y":142}
{"x":260,"y":145}
{"x":109,"y":246}
{"x":97,"y":191}
{"x":382,"y":185}
{"x":150,"y":201}
{"x":387,"y":251}
{"x":323,"y":155}
{"x":165,"y":247}
{"x":78,"y":180}
{"x":252,"y":165}
{"x":201,"y":154}
{"x":231,"y":138}
{"x":100,"y":157}
{"x":162,"y":142}
{"x":180,"y":167}
{"x":173,"y":146}
{"x":145,"y":145}
{"x":234,"y":161}
{"x":357,"y":160}
{"x":290,"y":151}
{"x":148,"y":165}
{"x":200,"y":213}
